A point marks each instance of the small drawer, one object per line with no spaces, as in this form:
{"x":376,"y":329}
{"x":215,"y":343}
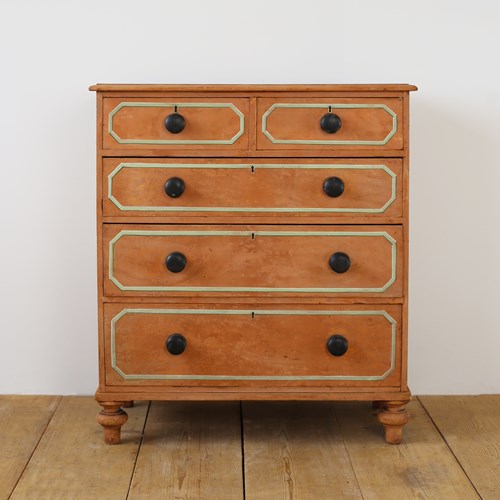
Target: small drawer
{"x":168,"y":260}
{"x":179,"y":123}
{"x":341,"y":123}
{"x":344,"y":345}
{"x":252,"y":187}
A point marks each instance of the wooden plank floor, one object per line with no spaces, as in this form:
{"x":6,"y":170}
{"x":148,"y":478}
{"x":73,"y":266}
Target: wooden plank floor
{"x":471,"y":428}
{"x":51,"y":448}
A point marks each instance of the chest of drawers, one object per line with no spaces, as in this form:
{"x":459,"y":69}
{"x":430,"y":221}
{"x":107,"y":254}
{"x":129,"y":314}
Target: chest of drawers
{"x":252,"y":245}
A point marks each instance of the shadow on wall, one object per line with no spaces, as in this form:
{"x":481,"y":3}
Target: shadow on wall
{"x":454,"y":199}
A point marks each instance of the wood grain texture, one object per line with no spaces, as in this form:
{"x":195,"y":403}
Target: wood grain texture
{"x":292,"y":393}
{"x":292,"y":451}
{"x":190,"y":451}
{"x":421,"y":467}
{"x":302,"y":123}
{"x":339,"y":152}
{"x":254,"y":260}
{"x":406,"y":239}
{"x":230,"y":186}
{"x":158,"y":87}
{"x":71,"y":459}
{"x":252,"y":344}
{"x":285,"y":272}
{"x":24,"y":419}
{"x":295,"y":451}
{"x":470,"y":426}
{"x":242,"y":302}
{"x":99,"y":210}
{"x":146,"y":123}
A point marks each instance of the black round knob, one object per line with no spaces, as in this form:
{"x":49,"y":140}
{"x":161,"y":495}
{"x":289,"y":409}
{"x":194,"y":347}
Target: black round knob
{"x":175,"y":262}
{"x":337,"y":345}
{"x":175,"y":123}
{"x":330,"y":123}
{"x":174,"y":187}
{"x":176,"y":344}
{"x":333,"y":186}
{"x":340,"y":262}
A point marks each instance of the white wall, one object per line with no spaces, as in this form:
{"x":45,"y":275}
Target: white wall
{"x":52,"y":51}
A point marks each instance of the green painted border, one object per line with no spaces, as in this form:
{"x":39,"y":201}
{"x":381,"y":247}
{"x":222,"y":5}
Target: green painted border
{"x":130,"y":232}
{"x":179,"y":105}
{"x":141,"y":208}
{"x":332,"y":141}
{"x":251,"y":312}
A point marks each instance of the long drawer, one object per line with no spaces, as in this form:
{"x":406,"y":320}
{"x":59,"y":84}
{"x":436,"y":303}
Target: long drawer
{"x":247,"y":187}
{"x":339,"y":260}
{"x":160,"y":345}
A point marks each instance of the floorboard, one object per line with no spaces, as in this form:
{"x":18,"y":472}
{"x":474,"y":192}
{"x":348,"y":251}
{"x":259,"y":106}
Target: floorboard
{"x":295,"y":451}
{"x":52,"y":448}
{"x":191,"y":450}
{"x":471,"y":427}
{"x":72,"y":461}
{"x":24,"y":419}
{"x":421,"y":467}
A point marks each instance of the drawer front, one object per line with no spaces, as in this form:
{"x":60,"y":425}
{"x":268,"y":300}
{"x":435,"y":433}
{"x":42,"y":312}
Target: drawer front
{"x":322,"y":188}
{"x":262,"y":259}
{"x":140,"y":123}
{"x":307,"y":123}
{"x":245,"y":346}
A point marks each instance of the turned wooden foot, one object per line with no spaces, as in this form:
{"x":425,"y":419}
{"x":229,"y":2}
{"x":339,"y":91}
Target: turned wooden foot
{"x":111,"y":417}
{"x":393,"y":416}
{"x":128,"y":404}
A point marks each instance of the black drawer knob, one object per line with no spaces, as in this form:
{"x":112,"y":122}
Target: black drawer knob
{"x":330,"y":123}
{"x":175,"y":123}
{"x":176,"y":344}
{"x":337,"y":345}
{"x":333,"y":186}
{"x":175,"y":262}
{"x":174,"y":187}
{"x":340,"y":262}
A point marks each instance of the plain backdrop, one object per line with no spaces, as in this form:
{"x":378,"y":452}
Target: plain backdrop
{"x":51,"y":51}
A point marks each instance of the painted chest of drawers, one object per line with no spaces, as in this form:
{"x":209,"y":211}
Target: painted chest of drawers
{"x":252,"y":245}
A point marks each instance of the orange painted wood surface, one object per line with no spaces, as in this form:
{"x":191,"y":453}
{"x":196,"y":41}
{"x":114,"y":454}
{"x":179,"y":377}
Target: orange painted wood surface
{"x":244,"y":88}
{"x":362,"y":127}
{"x":147,"y":122}
{"x":227,"y":187}
{"x":238,"y":345}
{"x":222,"y":224}
{"x":252,"y":259}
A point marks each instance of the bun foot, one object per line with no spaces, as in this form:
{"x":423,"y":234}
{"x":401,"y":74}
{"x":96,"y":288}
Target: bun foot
{"x":111,"y":417}
{"x":393,"y":416}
